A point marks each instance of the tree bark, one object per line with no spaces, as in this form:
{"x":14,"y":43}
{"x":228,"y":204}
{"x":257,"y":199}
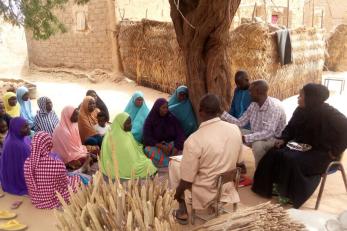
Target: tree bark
{"x":202,"y":31}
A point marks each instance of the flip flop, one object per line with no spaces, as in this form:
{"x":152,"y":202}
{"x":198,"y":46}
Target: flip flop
{"x":7,"y":215}
{"x":16,"y":204}
{"x":179,"y":220}
{"x":12,"y":225}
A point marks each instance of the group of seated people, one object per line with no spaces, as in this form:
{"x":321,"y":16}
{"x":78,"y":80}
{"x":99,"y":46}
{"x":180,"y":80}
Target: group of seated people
{"x":140,"y":140}
{"x":41,"y":154}
{"x":288,"y":172}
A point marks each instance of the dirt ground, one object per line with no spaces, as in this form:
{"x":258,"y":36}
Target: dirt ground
{"x":65,"y":89}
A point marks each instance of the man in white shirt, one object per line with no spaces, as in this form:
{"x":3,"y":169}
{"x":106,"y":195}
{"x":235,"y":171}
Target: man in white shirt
{"x":213,"y":149}
{"x":266,"y":117}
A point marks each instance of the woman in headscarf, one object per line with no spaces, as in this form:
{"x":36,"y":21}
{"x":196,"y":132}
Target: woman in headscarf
{"x":99,"y":103}
{"x":87,"y":119}
{"x":3,"y":114}
{"x":294,"y":174}
{"x":46,"y":119}
{"x":25,"y":105}
{"x":4,"y":124}
{"x":16,"y":150}
{"x":162,"y":134}
{"x":46,"y":175}
{"x":3,"y":133}
{"x":11,"y":105}
{"x":66,"y":140}
{"x":138,"y":111}
{"x":120,"y":152}
{"x":181,"y":107}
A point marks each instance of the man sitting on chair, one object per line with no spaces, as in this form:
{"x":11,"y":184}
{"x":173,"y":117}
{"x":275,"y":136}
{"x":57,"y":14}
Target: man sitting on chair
{"x":266,"y":116}
{"x":213,"y":149}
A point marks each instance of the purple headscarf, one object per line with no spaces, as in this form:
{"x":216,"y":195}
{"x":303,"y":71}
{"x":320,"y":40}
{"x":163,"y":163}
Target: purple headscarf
{"x":16,"y":150}
{"x":159,"y":128}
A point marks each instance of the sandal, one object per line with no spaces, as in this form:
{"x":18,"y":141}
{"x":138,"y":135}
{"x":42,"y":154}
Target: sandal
{"x":16,"y":204}
{"x":181,"y":221}
{"x":7,"y":215}
{"x":12,"y":225}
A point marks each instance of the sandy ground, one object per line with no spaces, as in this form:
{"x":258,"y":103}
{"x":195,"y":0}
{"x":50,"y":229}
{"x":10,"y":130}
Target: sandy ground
{"x":65,"y":90}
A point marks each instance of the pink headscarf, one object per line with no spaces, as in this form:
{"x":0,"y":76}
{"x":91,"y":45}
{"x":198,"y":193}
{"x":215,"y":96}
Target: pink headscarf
{"x":66,"y":138}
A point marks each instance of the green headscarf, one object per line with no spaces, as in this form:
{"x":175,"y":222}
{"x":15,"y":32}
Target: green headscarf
{"x":120,"y":151}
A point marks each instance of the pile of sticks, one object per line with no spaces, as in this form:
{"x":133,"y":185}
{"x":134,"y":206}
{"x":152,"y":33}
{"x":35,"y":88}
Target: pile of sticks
{"x":265,"y":216}
{"x":112,"y":206}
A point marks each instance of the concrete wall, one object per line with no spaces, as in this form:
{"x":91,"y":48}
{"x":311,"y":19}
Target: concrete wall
{"x":136,"y":10}
{"x":334,"y":13}
{"x":85,"y":49}
{"x":274,"y":7}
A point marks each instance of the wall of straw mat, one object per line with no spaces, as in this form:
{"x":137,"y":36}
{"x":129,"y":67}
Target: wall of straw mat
{"x":151,"y":56}
{"x":254,"y":48}
{"x":336,"y":59}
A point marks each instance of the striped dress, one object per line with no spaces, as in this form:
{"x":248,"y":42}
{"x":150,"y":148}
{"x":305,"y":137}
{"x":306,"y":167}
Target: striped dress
{"x":45,"y":121}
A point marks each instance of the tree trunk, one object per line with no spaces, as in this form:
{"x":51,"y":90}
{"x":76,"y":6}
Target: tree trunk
{"x":202,"y":30}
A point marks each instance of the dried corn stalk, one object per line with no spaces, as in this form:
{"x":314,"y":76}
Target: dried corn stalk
{"x":265,"y":216}
{"x":111,"y":206}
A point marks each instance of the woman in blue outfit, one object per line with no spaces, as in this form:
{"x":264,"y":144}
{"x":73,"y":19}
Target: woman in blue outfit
{"x":25,"y":105}
{"x":138,"y":111}
{"x":181,"y":107}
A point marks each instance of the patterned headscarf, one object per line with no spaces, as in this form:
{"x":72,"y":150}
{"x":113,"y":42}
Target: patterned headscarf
{"x":45,"y":176}
{"x":45,"y":121}
{"x":41,"y":147}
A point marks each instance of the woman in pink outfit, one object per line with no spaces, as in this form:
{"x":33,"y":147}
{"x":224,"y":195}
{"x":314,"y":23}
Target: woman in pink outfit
{"x":66,"y":139}
{"x":45,"y":174}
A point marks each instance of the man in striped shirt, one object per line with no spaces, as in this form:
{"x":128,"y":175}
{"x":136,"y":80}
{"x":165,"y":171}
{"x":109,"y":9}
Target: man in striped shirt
{"x":266,"y":117}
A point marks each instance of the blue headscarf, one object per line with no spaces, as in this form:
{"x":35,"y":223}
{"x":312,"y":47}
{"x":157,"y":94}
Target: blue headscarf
{"x":183,"y":111}
{"x":25,"y":106}
{"x":138,"y":115}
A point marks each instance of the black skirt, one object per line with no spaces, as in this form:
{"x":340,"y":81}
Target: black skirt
{"x":297,"y":174}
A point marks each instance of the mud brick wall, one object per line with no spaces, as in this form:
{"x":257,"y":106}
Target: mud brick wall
{"x":89,"y":48}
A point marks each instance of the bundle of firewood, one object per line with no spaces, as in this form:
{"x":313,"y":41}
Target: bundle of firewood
{"x":265,"y":216}
{"x":110,"y":205}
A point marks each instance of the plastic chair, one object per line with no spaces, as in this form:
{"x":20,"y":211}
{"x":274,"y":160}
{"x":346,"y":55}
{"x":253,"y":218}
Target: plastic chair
{"x":332,"y":168}
{"x":230,"y":176}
